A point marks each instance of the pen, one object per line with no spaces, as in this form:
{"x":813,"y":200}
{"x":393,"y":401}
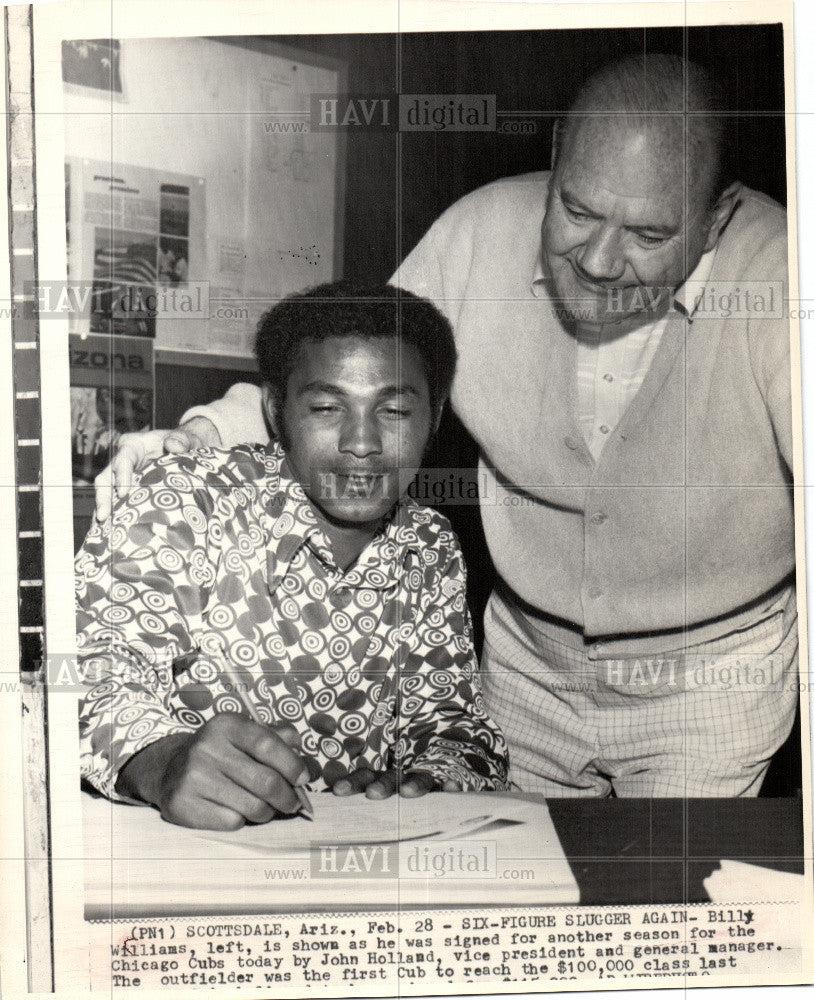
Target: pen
{"x":306,"y":808}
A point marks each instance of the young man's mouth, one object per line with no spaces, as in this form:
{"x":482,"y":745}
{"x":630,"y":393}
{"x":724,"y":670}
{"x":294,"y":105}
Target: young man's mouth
{"x":361,"y":484}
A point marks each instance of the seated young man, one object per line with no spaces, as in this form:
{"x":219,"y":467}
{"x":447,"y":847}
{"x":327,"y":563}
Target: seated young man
{"x":301,"y":568}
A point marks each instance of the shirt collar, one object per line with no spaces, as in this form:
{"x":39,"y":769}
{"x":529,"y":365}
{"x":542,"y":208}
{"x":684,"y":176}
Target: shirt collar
{"x":690,"y":294}
{"x":292,"y":524}
{"x":687,"y":296}
{"x":380,"y":565}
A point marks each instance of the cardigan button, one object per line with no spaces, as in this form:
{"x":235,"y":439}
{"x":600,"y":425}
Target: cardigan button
{"x":599,"y":517}
{"x":571,"y":443}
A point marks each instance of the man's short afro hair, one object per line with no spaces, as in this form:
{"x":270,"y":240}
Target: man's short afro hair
{"x":347,"y":309}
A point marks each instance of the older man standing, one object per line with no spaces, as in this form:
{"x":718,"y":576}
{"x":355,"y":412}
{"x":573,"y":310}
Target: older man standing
{"x":642,"y":637}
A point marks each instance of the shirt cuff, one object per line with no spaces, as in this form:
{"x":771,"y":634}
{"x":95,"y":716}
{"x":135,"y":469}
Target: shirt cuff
{"x":102,"y":770}
{"x":448,"y":763}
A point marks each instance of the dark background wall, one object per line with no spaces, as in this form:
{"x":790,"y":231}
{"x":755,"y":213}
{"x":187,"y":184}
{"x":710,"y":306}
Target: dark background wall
{"x":397,"y":184}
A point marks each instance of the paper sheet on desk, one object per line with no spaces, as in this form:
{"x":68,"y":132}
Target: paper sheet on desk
{"x":778,"y":895}
{"x":738,"y":882}
{"x":138,"y":865}
{"x":356,"y":820}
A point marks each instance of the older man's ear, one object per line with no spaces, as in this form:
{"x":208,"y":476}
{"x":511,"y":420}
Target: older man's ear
{"x":721,"y":213}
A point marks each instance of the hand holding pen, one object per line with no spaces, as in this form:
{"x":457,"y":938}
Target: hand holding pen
{"x":231,"y":771}
{"x":306,"y":809}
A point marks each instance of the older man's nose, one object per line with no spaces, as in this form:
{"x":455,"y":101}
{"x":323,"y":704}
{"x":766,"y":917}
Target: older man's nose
{"x":601,"y":258}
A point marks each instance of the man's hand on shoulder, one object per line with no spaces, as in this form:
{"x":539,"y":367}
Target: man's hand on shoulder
{"x":136,"y":449}
{"x":229,"y":772}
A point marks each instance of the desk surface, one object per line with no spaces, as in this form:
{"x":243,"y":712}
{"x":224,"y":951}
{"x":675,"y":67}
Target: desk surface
{"x":620,"y":851}
{"x":661,"y":850}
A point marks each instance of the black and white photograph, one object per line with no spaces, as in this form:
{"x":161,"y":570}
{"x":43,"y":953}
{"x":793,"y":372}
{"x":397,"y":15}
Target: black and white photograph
{"x":93,"y":63}
{"x":408,"y":502}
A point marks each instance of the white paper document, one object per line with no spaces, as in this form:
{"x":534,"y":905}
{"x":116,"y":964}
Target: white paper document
{"x":738,"y":882}
{"x":441,"y":850}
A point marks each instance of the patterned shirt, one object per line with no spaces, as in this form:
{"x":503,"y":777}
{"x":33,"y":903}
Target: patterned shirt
{"x":219,"y":555}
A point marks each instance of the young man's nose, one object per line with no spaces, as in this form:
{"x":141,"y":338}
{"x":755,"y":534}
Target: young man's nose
{"x":360,"y":437}
{"x":601,"y":258}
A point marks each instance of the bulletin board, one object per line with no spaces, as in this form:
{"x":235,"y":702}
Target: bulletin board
{"x":212,"y":135}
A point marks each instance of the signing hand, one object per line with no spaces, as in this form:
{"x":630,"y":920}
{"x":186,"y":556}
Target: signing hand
{"x":229,"y":772}
{"x":383,"y":784}
{"x":136,"y":449}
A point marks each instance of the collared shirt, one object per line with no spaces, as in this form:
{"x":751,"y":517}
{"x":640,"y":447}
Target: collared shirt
{"x":219,"y":555}
{"x":611,"y":368}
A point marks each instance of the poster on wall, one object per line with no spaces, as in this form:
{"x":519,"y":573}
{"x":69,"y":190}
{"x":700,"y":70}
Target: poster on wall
{"x":92,"y":63}
{"x":135,"y":246}
{"x":112,"y":392}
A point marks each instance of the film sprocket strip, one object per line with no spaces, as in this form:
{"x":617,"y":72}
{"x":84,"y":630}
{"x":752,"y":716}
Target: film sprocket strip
{"x":26,"y":379}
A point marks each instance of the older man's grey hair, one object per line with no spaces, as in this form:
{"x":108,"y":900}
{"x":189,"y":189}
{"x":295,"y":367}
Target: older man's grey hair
{"x":670,"y":95}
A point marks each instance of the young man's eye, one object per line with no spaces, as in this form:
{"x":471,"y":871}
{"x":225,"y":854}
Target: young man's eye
{"x":324,"y":408}
{"x":396,"y":412}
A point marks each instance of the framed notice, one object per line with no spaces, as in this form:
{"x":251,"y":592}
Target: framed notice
{"x":135,"y":242}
